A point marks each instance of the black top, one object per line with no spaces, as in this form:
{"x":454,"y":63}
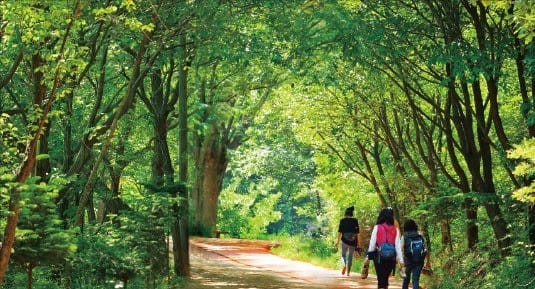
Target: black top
{"x":349,"y":225}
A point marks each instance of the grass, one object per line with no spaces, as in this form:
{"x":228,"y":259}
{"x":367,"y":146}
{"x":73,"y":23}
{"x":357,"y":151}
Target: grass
{"x":315,"y":251}
{"x":452,"y":270}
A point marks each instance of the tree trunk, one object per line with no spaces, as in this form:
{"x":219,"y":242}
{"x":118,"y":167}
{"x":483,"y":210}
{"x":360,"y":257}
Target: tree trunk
{"x":115,"y":204}
{"x":376,"y":155}
{"x":125,"y":104}
{"x":181,"y":253}
{"x":29,"y":271}
{"x":42,"y":167}
{"x":484,"y":176}
{"x":211,"y":166}
{"x":28,"y":163}
{"x":25,"y":170}
{"x":453,"y":115}
{"x":162,"y":168}
{"x":448,"y":17}
{"x":67,"y":133}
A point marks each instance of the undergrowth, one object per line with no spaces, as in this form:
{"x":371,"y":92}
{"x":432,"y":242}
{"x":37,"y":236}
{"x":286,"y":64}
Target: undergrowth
{"x":486,"y":270}
{"x":457,"y":270}
{"x":317,"y":251}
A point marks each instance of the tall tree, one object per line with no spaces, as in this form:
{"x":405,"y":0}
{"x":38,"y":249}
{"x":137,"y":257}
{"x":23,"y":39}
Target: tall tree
{"x":182,"y":264}
{"x":43,"y":103}
{"x":232,"y":77}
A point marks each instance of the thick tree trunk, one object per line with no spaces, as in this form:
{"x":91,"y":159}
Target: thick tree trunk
{"x":210,"y":197}
{"x":115,"y":204}
{"x":211,"y":166}
{"x":445,"y":234}
{"x":196,"y":200}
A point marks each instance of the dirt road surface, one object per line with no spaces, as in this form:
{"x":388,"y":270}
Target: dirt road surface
{"x":243,"y":264}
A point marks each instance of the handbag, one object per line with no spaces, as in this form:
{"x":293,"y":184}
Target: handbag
{"x":365,"y":267}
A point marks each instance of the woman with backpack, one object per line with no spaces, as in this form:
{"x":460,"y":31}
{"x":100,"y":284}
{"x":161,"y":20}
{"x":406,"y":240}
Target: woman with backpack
{"x":385,"y":247}
{"x":414,"y":253}
{"x":348,"y":232}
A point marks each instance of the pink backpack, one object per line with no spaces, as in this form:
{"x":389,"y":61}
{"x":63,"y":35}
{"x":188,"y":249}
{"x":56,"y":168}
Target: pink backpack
{"x":386,"y":238}
{"x":385,"y":231}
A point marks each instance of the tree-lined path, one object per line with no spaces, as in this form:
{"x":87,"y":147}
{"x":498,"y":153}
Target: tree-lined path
{"x":127,"y":123}
{"x":232,"y":263}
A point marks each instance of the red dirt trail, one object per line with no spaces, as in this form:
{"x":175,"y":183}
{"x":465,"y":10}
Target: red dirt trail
{"x":246,"y":264}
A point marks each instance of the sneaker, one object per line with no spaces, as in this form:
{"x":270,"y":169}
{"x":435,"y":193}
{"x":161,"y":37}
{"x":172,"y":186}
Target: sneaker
{"x":343,"y":270}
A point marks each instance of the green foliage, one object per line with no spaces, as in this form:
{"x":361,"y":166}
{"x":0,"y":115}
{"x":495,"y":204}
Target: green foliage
{"x":105,"y":255}
{"x":484,"y":270}
{"x":234,"y":214}
{"x":342,"y":190}
{"x":315,"y":251}
{"x":522,"y":16}
{"x":43,"y":279}
{"x":525,"y":152}
{"x":247,"y":218}
{"x":330,"y":103}
{"x":10,"y":140}
{"x":269,"y":187}
{"x":302,"y":248}
{"x":41,"y":239}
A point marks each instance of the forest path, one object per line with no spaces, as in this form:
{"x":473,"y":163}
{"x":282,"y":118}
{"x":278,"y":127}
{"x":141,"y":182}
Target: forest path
{"x":246,"y":264}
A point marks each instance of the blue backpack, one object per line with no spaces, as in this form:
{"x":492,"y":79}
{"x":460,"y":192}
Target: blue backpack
{"x":415,"y":249}
{"x":387,"y":251}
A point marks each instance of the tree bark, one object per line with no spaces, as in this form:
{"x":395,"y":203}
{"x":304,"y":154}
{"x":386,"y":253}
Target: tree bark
{"x":29,"y":270}
{"x":452,"y":115}
{"x":211,"y":165}
{"x":181,"y":241}
{"x":483,"y":174}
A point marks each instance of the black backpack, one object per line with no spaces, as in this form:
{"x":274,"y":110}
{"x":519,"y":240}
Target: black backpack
{"x":415,"y":249}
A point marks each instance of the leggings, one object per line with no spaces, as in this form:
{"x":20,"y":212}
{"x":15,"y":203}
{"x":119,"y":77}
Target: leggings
{"x":347,"y":255}
{"x":383,"y":268}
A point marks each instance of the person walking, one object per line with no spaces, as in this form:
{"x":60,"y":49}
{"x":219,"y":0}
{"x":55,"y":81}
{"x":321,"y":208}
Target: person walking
{"x":414,"y":254}
{"x":385,"y":247}
{"x":348,"y":233}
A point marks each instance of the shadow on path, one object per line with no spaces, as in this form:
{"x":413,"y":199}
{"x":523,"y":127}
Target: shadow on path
{"x":246,"y":264}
